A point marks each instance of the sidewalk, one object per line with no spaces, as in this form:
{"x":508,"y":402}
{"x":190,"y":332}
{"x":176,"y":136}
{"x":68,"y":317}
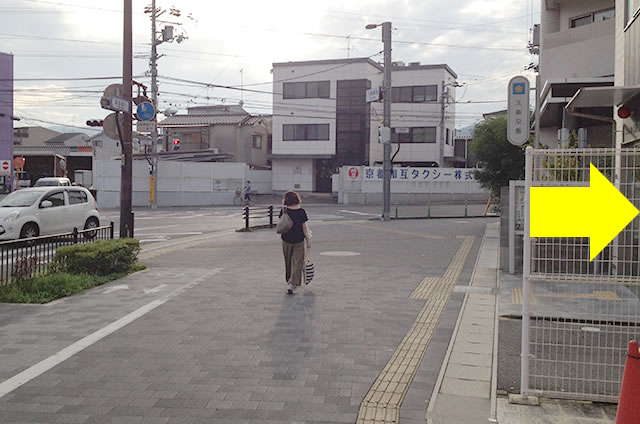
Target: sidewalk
{"x":467,"y":376}
{"x":466,"y":388}
{"x":208,"y":335}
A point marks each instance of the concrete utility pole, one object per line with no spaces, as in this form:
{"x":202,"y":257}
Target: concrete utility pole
{"x":154,"y":99}
{"x":126,"y":222}
{"x":386,"y":153}
{"x":442,"y":131}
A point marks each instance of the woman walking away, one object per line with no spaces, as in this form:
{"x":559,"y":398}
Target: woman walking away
{"x":293,"y":240}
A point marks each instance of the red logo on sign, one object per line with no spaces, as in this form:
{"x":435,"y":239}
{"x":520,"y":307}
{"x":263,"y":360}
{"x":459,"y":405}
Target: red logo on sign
{"x":353,"y":173}
{"x":5,"y":165}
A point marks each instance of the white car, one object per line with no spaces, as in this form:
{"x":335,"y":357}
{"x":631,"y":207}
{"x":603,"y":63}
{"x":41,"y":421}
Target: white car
{"x":52,"y":181}
{"x":39,"y":211}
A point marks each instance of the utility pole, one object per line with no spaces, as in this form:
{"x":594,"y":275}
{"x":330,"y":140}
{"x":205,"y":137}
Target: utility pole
{"x":386,"y":153}
{"x":442,"y":131}
{"x":154,"y":100}
{"x":166,"y":35}
{"x":126,"y":223}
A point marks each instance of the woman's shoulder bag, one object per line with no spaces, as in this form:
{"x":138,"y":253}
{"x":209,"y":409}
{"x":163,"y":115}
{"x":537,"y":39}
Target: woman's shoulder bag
{"x":285,"y":223}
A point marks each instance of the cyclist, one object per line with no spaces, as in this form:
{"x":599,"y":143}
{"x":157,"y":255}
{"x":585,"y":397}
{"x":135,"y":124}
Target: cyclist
{"x":247,"y":192}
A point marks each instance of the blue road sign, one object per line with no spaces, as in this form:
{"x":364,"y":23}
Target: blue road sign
{"x":146,"y":111}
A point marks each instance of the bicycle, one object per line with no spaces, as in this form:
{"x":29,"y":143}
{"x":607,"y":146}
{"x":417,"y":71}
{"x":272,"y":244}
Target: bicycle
{"x":237,"y":200}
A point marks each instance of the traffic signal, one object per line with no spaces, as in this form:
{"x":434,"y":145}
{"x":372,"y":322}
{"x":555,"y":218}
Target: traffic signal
{"x":384,"y":134}
{"x":95,"y":122}
{"x":176,"y":144}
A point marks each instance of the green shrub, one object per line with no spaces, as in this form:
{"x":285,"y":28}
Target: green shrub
{"x":102,"y":257}
{"x":46,"y":288}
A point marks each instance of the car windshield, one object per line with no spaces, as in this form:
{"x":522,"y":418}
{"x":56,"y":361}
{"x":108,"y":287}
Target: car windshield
{"x":20,"y":199}
{"x":46,"y":183}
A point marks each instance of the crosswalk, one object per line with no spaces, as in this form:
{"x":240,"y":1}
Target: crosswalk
{"x":161,"y":225}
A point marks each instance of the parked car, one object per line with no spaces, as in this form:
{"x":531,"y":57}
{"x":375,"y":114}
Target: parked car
{"x":52,"y":181}
{"x":37,"y":211}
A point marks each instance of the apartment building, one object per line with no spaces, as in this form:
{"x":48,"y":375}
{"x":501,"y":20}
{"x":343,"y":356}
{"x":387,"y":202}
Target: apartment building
{"x":627,"y":70}
{"x":322,"y":121}
{"x":618,"y":105}
{"x":577,"y":46}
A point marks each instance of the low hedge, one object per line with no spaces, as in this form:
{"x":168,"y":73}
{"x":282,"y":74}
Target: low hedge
{"x":102,"y":257}
{"x":48,"y":287}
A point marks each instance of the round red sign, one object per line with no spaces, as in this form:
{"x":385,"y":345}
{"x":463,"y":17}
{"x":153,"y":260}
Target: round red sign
{"x":353,"y":173}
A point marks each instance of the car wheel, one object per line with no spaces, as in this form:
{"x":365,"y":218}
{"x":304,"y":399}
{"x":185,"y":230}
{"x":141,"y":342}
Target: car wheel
{"x":29,"y":230}
{"x":89,"y":225}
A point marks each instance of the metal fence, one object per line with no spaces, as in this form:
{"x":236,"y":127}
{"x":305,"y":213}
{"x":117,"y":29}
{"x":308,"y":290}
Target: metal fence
{"x":26,"y":258}
{"x":578,"y":315}
{"x":260,"y":217}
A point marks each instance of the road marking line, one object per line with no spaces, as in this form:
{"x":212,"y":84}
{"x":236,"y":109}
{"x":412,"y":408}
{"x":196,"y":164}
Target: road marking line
{"x":181,"y":244}
{"x":141,"y":229}
{"x":357,"y":213}
{"x":382,"y":404}
{"x":45,"y":365}
{"x":115,"y":288}
{"x":389,"y":230}
{"x":155,"y":289}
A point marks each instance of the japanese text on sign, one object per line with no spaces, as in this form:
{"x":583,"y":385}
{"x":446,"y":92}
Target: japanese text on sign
{"x":419,"y":174}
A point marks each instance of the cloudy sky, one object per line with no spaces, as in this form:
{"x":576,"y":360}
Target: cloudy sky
{"x":61,"y":47}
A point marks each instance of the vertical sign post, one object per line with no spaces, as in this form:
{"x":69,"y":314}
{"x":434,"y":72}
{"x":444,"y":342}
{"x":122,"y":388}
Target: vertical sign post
{"x":518,"y":111}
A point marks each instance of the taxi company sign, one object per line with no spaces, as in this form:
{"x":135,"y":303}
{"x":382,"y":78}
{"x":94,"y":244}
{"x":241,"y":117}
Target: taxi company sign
{"x":518,"y":111}
{"x":435,"y":175}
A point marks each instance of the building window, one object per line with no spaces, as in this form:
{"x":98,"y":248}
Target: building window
{"x":581,"y":21}
{"x":303,"y":132}
{"x":447,"y":139}
{"x":256,"y":141}
{"x":630,"y":9}
{"x":599,"y":16}
{"x":21,"y":132}
{"x":414,"y":135}
{"x":306,"y":90}
{"x":415,"y":94}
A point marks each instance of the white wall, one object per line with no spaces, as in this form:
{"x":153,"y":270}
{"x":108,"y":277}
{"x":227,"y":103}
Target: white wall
{"x":292,"y":174}
{"x":261,"y":181}
{"x":179,"y":183}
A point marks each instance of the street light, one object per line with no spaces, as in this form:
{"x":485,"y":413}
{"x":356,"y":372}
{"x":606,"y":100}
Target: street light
{"x":386,"y":92}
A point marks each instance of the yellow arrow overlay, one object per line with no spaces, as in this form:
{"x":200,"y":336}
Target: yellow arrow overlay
{"x":599,"y":212}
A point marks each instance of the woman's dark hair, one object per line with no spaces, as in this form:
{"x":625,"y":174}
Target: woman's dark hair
{"x":291,"y":198}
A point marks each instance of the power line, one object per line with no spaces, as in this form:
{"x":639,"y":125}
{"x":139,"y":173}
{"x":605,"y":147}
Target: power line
{"x":66,"y":78}
{"x":310,"y":74}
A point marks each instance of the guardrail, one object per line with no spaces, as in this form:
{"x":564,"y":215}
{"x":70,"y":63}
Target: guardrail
{"x":254,"y":213}
{"x":26,"y":258}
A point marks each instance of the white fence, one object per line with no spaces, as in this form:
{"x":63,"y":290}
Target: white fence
{"x":579,"y":315}
{"x":362,"y":185}
{"x":179,"y":183}
{"x":260,"y":181}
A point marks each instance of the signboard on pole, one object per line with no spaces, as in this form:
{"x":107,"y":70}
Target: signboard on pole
{"x":373,"y":95}
{"x":145,"y":126}
{"x":112,"y":99}
{"x":518,"y":111}
{"x":146,"y":111}
{"x":5,"y":167}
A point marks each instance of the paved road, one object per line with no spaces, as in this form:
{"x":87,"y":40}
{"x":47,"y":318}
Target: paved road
{"x":208,"y":335}
{"x":158,"y":225}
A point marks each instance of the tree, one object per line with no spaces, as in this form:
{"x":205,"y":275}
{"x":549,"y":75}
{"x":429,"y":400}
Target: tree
{"x":501,"y":161}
